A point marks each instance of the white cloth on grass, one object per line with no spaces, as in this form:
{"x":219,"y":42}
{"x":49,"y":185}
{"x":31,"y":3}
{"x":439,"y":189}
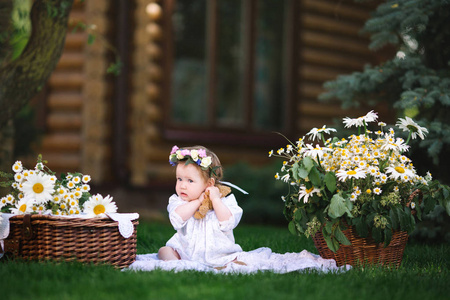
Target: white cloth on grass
{"x":261,"y":259}
{"x":206,"y":244}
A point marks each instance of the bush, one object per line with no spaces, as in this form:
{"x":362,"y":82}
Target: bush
{"x":263,"y":204}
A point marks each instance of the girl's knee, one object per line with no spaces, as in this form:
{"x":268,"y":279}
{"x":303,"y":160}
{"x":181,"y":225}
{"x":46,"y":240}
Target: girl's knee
{"x":167,"y":253}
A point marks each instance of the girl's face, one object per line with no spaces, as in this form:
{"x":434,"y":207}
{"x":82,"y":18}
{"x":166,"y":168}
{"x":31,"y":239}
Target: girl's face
{"x":190,"y":182}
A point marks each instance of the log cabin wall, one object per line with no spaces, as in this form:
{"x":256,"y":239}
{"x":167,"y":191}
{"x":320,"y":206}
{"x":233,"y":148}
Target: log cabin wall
{"x":80,"y":117}
{"x":63,"y":119}
{"x":330,"y":44}
{"x":77,"y":118}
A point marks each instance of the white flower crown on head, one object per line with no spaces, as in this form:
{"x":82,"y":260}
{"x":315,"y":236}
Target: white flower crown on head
{"x":197,"y":156}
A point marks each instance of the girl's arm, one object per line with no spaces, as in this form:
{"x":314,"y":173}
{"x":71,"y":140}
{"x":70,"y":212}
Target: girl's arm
{"x":186,"y":211}
{"x":221,"y":210}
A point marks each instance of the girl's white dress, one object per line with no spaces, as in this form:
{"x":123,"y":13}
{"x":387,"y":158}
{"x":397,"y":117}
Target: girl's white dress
{"x":206,"y":240}
{"x":206,"y":244}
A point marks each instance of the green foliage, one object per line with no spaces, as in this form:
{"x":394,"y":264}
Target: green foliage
{"x":263,"y":203}
{"x":416,"y":80}
{"x":21,"y":27}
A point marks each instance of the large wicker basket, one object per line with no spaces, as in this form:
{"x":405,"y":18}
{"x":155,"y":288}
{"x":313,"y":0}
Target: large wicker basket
{"x":41,"y":237}
{"x":364,"y":251}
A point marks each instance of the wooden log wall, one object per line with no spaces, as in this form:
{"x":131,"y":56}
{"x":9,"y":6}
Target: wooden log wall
{"x":145,"y":96}
{"x":62,"y":142}
{"x":330,"y":45}
{"x":77,"y":106}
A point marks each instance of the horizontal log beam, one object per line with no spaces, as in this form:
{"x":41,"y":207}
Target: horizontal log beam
{"x":70,"y":142}
{"x":65,"y":101}
{"x":63,"y":121}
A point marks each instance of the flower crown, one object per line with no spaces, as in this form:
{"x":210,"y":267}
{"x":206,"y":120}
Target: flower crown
{"x":197,"y":156}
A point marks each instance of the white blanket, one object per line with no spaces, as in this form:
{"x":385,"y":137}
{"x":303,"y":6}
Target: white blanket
{"x":261,"y":259}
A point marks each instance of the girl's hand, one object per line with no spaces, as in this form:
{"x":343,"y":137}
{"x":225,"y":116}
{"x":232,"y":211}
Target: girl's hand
{"x":221,"y":210}
{"x":200,"y":199}
{"x":214,"y":193}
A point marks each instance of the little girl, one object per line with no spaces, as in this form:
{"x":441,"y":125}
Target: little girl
{"x":208,"y":240}
{"x":207,"y":244}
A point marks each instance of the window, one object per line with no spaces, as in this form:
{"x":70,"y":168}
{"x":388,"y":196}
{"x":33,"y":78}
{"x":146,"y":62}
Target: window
{"x":231,"y":67}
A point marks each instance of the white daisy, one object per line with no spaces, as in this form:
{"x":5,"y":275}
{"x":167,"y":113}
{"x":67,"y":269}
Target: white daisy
{"x":408,"y":124}
{"x":356,"y":173}
{"x":85,"y":188}
{"x":18,"y":177}
{"x":76,"y":179}
{"x":70,"y":185}
{"x":318,"y":132}
{"x":377,"y":190}
{"x":358,"y":122}
{"x":397,"y":144}
{"x":97,"y":206}
{"x":399,"y":172}
{"x":2,"y":202}
{"x":17,"y":166}
{"x":285,"y":178}
{"x":306,"y":193}
{"x":86,"y":178}
{"x":10,"y":199}
{"x":39,"y":187}
{"x":24,"y":206}
{"x":315,"y":152}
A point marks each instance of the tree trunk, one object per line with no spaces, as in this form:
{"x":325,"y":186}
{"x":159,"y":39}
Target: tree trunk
{"x":22,"y":78}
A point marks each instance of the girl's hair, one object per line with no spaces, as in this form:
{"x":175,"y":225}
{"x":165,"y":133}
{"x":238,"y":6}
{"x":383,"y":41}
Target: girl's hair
{"x":215,"y":170}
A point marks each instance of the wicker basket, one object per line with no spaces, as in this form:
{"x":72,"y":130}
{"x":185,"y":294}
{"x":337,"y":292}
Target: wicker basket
{"x":40,"y":237}
{"x":363,"y":251}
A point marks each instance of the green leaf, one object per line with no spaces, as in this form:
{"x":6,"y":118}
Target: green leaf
{"x":331,"y":243}
{"x":308,"y":163}
{"x":387,"y":236}
{"x":361,"y":227}
{"x":314,"y":176}
{"x":298,"y":215}
{"x":340,"y":236}
{"x":299,"y":228}
{"x":394,"y":218}
{"x":338,"y":207}
{"x":446,"y":205}
{"x":295,"y":171}
{"x":291,"y":228}
{"x":302,"y":172}
{"x":330,"y":181}
{"x":91,"y":39}
{"x":430,"y":204}
{"x":402,"y":218}
{"x":328,"y":228}
{"x":376,"y":234}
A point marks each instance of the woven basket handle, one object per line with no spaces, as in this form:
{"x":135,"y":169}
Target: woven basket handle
{"x":411,"y":198}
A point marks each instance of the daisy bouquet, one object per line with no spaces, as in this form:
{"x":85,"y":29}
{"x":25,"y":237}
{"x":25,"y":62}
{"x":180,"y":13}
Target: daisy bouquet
{"x":39,"y":191}
{"x":365,"y":180}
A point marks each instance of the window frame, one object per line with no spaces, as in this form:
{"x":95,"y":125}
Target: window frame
{"x":211,"y":133}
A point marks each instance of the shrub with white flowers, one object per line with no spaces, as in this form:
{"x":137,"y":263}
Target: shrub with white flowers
{"x":365,"y":180}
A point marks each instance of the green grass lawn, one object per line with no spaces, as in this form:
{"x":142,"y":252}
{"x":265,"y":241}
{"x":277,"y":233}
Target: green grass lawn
{"x":424,"y":274}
